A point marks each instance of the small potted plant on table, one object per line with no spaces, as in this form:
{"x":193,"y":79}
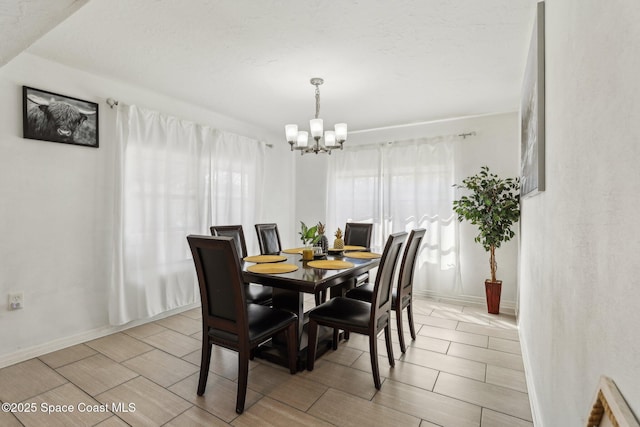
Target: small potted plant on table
{"x":309,"y":237}
{"x":494,"y":206}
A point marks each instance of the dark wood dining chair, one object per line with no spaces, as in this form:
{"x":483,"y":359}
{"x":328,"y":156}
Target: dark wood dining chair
{"x":256,"y":294}
{"x":227,"y":320}
{"x":357,"y":234}
{"x":366,"y":318}
{"x":402,"y":296}
{"x":268,"y":239}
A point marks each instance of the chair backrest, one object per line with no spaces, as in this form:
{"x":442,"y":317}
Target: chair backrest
{"x":405,"y":276}
{"x":357,"y":234}
{"x":381,"y":302}
{"x":221,"y":286}
{"x":234,"y":231}
{"x":268,"y":239}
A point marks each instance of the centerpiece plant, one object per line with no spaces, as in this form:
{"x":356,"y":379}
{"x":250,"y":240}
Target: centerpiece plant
{"x":308,"y":235}
{"x":493,"y":206}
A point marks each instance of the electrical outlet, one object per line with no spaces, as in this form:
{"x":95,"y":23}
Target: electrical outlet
{"x":16,"y":301}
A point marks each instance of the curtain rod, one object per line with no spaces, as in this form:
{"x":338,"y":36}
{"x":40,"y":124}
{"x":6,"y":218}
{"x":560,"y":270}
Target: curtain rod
{"x":463,"y":135}
{"x":114,"y":103}
{"x":427,"y":122}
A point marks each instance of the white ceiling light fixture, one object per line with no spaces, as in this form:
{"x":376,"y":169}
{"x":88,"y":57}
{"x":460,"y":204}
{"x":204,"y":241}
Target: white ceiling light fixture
{"x":333,"y":139}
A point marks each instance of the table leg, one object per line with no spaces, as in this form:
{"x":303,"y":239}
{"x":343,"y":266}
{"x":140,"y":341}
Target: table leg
{"x":275,"y":351}
{"x":293,"y":302}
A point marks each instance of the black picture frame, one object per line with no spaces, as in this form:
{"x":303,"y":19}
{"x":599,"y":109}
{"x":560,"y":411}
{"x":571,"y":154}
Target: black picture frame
{"x":48,"y":116}
{"x":532,"y":114}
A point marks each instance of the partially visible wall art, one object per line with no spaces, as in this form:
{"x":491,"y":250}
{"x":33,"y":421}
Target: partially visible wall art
{"x":609,"y":408}
{"x":532,"y":157}
{"x":58,"y":118}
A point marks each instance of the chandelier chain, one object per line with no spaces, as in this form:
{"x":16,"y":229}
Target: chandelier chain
{"x":317,"y":101}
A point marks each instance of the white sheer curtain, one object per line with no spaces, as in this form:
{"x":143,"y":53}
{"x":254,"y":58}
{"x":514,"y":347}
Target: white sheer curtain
{"x":355,"y":189}
{"x":398,"y":187}
{"x":173,"y":178}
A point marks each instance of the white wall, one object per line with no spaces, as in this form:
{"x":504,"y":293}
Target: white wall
{"x":580,"y":244}
{"x":311,"y":192}
{"x":495,"y":144}
{"x":56,"y":207}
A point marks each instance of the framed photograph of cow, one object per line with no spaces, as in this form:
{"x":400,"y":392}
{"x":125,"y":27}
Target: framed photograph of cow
{"x":532,"y":114}
{"x":52,"y":117}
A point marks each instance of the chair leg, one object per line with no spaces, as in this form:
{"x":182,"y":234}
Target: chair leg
{"x":336,"y":335}
{"x":292,"y":339}
{"x":373,"y":350}
{"x":387,"y":338}
{"x":243,"y":374}
{"x":349,"y":285}
{"x":403,"y":347}
{"x":204,"y":365}
{"x":410,"y":314}
{"x":312,"y":343}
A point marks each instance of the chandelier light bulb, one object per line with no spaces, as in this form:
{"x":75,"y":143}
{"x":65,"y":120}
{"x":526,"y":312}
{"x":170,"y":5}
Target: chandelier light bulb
{"x":303,"y":138}
{"x":330,"y":138}
{"x":291,"y":132}
{"x":341,"y":131}
{"x":316,"y":128}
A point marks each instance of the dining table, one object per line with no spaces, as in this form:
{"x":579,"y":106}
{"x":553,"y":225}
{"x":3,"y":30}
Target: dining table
{"x":309,"y":277}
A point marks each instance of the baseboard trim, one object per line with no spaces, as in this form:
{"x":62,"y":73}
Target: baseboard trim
{"x":531,"y":390}
{"x":60,"y":343}
{"x":507,"y":307}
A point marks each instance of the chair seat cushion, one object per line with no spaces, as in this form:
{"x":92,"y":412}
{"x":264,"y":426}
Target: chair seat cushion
{"x":361,"y":293}
{"x":258,"y":294}
{"x":263,"y":322}
{"x":365,"y":292}
{"x":345,"y":311}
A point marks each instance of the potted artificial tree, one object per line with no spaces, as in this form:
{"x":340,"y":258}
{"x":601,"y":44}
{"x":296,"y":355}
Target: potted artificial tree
{"x":494,"y":206}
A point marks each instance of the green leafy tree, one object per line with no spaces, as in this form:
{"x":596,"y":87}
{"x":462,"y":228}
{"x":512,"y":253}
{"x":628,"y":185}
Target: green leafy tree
{"x":494,"y":206}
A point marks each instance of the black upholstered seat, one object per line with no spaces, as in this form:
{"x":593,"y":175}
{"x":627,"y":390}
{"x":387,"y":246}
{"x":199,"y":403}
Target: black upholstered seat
{"x":264,"y":322}
{"x":268,"y":239}
{"x":256,"y":294}
{"x":227,"y":320}
{"x":352,"y":313}
{"x":367,"y":318}
{"x":404,"y":289}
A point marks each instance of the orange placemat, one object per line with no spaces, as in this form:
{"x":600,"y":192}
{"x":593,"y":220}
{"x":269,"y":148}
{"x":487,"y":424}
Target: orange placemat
{"x":293,"y":251}
{"x":354,"y":248}
{"x":362,"y":255}
{"x":271,"y":268}
{"x":330,"y":264}
{"x":265,"y":258}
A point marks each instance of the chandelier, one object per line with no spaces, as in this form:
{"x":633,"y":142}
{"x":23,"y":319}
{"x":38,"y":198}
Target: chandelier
{"x":333,"y":139}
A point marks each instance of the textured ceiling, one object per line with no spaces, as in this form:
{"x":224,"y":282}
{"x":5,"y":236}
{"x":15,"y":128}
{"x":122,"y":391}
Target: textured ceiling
{"x":23,"y":21}
{"x":384,"y":62}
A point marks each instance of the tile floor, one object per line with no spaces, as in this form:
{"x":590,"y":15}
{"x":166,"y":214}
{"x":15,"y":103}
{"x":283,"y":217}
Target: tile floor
{"x":464,"y":369}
